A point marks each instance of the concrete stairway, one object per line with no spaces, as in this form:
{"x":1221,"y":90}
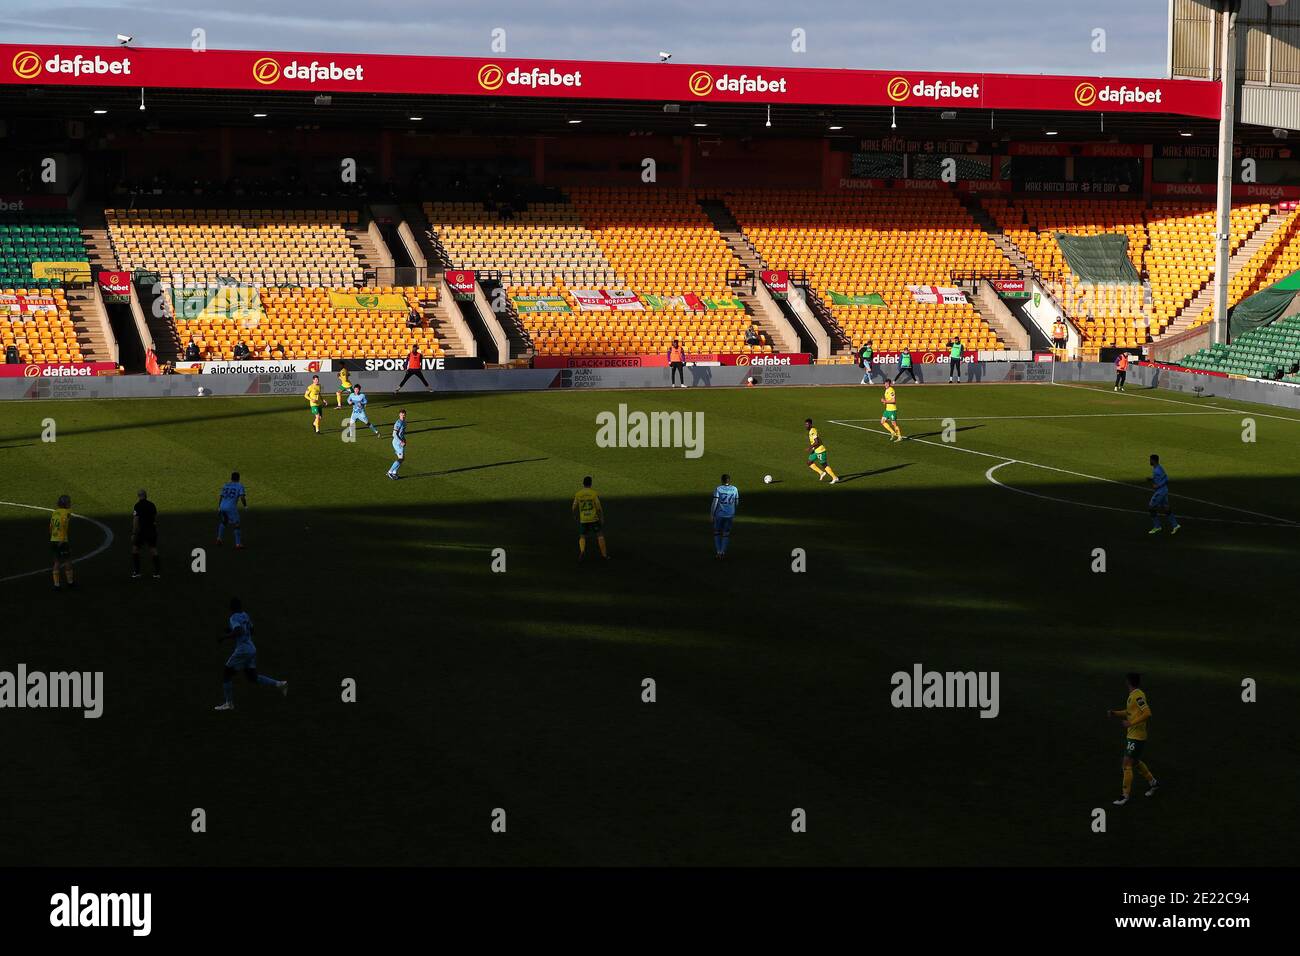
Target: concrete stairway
{"x":1204,"y":298}
{"x":1000,"y":319}
{"x":774,"y":326}
{"x":371,"y":258}
{"x":94,"y":333}
{"x":439,"y":318}
{"x":732,"y":234}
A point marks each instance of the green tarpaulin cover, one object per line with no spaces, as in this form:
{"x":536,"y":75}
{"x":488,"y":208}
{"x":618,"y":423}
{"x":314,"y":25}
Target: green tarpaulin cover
{"x":1098,"y":259}
{"x":1264,"y":307}
{"x":871,"y":298}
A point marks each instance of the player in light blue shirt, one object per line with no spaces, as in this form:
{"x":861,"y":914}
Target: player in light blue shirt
{"x":1160,"y":498}
{"x":244,"y":657}
{"x":358,"y":402}
{"x":399,"y":444}
{"x":232,"y":494}
{"x":723,"y":510}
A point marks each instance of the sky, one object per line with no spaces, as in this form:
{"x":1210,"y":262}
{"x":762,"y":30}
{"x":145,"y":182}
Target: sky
{"x":996,"y":36}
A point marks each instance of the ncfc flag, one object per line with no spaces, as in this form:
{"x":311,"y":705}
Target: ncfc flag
{"x":386,"y":302}
{"x":231,"y":303}
{"x":871,"y":298}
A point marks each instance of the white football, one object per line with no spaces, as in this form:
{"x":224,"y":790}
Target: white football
{"x":767,"y":479}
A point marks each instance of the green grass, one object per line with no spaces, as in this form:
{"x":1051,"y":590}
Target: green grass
{"x":522,"y":690}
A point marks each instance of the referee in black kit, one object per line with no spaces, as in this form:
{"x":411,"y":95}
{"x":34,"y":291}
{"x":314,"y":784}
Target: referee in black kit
{"x":144,"y":533}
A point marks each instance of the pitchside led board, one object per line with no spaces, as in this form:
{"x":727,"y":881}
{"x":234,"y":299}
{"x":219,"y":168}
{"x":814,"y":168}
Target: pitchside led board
{"x":87,"y":66}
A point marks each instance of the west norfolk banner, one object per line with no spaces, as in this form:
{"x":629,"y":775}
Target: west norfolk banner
{"x":98,"y":66}
{"x":607,"y":300}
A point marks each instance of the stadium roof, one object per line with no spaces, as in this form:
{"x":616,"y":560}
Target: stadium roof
{"x":231,"y":70}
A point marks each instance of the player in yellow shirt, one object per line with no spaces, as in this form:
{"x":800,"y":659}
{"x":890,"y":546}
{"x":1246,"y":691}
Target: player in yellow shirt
{"x":889,"y":418}
{"x":817,"y":454}
{"x":313,"y":396}
{"x":1136,"y":714}
{"x":591,"y":518}
{"x":345,"y":387}
{"x":60,"y":518}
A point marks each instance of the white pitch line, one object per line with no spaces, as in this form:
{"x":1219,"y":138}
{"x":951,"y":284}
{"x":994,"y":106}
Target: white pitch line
{"x":991,"y":418}
{"x":1131,"y":511}
{"x":1287,"y":522}
{"x":108,"y":539}
{"x":1175,"y":401}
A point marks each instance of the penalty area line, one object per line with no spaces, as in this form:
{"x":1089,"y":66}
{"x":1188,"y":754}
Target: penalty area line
{"x":104,"y":546}
{"x":1102,"y":390}
{"x":1273,"y":520}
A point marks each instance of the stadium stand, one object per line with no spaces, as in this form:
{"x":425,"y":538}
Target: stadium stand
{"x":192,"y":246}
{"x":877,"y":242}
{"x":1272,"y":352}
{"x":306,"y":323}
{"x":270,"y":278}
{"x":36,"y":238}
{"x":658,"y":244}
{"x":538,"y":245}
{"x":1171,"y":244}
{"x":38,"y":322}
{"x":35,"y":313}
{"x":1275,"y":259}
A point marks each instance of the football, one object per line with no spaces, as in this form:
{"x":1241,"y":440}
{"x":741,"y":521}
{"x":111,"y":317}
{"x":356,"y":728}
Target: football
{"x":767,"y":479}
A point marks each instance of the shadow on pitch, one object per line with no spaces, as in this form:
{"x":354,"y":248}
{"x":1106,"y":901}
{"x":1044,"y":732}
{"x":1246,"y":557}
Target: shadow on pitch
{"x":439,"y":428}
{"x":939,"y":433}
{"x":868,"y":474}
{"x":456,"y":471}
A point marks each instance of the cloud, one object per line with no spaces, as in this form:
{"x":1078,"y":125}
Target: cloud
{"x":1008,"y":36}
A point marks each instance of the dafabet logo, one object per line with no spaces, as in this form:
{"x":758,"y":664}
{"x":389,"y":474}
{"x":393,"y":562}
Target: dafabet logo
{"x":702,"y":83}
{"x":267,"y":71}
{"x":27,"y":65}
{"x":1085,"y":94}
{"x":900,"y":89}
{"x":492,"y":77}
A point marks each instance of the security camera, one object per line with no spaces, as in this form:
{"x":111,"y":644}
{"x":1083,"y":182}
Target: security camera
{"x":123,"y":39}
{"x":1279,"y":132}
{"x":664,"y":56}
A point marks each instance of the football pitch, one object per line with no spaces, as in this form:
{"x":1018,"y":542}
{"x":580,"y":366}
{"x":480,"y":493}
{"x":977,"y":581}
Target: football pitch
{"x":494,"y":671}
